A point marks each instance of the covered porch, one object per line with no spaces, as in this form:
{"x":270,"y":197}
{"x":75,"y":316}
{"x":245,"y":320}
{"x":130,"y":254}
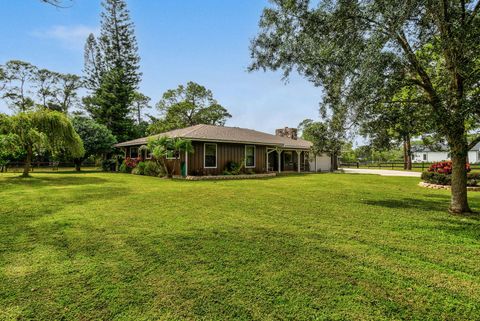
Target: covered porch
{"x":287,"y":160}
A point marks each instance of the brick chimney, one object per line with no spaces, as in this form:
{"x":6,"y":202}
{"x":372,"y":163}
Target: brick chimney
{"x":287,"y":132}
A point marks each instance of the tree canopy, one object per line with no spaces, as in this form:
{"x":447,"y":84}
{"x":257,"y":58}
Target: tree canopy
{"x":367,"y":50}
{"x":39,"y":131}
{"x":188,"y":105}
{"x":112,"y":70}
{"x":97,"y":139}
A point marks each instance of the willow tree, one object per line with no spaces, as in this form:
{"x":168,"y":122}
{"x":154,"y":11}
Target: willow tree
{"x":376,"y":47}
{"x":41,"y":130}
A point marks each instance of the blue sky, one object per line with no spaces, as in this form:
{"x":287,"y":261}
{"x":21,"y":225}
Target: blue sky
{"x":203,"y":41}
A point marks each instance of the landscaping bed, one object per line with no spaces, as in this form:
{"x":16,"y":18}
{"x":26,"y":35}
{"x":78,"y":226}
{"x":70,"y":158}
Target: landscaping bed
{"x":228,"y":177}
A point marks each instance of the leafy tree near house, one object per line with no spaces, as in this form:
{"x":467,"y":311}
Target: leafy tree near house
{"x":112,"y":70}
{"x":188,"y":105}
{"x":375,"y":48}
{"x":41,"y":130}
{"x":163,"y":147}
{"x":326,"y":138}
{"x":97,"y":139}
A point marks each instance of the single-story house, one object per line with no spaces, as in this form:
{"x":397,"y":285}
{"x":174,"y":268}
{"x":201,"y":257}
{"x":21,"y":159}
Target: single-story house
{"x":442,"y":153}
{"x":215,"y":146}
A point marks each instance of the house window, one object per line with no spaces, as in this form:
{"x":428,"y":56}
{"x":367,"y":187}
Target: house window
{"x":210,"y":155}
{"x":249,"y":156}
{"x":424,"y":157}
{"x":133,"y":152}
{"x":171,"y":154}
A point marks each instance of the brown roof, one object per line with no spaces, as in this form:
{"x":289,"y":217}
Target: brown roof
{"x":225,"y":134}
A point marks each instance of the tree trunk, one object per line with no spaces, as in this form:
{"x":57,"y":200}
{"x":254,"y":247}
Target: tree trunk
{"x":78,"y":164}
{"x":459,"y":153}
{"x":28,"y":162}
{"x":334,"y":162}
{"x":408,"y":151}
{"x":405,"y":157}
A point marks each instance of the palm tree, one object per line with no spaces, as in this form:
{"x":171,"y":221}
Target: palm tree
{"x":42,"y":129}
{"x":162,"y":146}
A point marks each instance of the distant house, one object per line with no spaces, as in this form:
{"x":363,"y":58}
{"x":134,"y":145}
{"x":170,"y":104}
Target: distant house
{"x":215,"y":146}
{"x":425,"y":154}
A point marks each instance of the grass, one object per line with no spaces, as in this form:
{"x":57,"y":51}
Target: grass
{"x":328,"y":246}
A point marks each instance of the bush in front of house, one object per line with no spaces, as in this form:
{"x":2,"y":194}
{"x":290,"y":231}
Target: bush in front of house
{"x":108,"y":165}
{"x":139,"y":169}
{"x":153,"y":169}
{"x":233,"y":168}
{"x":446,"y":179}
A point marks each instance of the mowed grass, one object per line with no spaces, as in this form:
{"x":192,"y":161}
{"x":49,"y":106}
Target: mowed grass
{"x":322,"y":246}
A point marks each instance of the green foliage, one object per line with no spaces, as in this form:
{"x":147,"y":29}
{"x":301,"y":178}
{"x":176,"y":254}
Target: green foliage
{"x":24,"y":86}
{"x":112,"y":71}
{"x":233,"y":168}
{"x":42,"y":130}
{"x":187,"y":106}
{"x":97,"y":139}
{"x":152,"y":168}
{"x":124,"y":168}
{"x":108,"y":165}
{"x":364,"y":53}
{"x":161,"y":146}
{"x":139,"y":169}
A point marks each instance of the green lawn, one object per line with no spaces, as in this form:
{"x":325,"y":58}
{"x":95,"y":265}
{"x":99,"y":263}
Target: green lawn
{"x":327,"y":246}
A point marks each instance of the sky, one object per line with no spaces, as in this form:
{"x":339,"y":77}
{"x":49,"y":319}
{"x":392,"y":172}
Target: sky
{"x":179,"y":41}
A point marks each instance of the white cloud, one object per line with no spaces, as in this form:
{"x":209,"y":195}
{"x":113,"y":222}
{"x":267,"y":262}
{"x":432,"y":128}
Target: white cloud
{"x":71,"y":37}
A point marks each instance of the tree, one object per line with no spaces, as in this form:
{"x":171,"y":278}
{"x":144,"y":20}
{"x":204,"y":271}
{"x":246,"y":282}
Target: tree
{"x":373,"y":48}
{"x":9,"y":150}
{"x":397,"y":122}
{"x":43,"y":129}
{"x":326,"y":138}
{"x":18,"y":78}
{"x":112,"y":70}
{"x":97,"y":139}
{"x":164,"y":146}
{"x":25,"y":86}
{"x":140,"y":102}
{"x":186,"y":106}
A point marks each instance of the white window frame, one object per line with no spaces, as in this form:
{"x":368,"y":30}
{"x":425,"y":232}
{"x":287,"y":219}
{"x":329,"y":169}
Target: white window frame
{"x":131,"y":151}
{"x":174,"y":157}
{"x":424,"y":157}
{"x":204,"y":154}
{"x":254,"y":156}
{"x":148,"y":154}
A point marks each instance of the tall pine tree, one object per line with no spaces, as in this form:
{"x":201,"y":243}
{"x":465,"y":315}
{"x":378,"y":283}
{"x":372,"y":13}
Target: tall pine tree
{"x":112,"y":70}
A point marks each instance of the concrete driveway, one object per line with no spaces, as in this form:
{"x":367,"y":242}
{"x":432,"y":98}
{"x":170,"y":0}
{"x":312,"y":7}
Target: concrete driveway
{"x":382,"y":172}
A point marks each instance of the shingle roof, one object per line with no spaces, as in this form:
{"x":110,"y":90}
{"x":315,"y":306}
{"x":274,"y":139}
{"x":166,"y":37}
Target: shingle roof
{"x":225,"y":134}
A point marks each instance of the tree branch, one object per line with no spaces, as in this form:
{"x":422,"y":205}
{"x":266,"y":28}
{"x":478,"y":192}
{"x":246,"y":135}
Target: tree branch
{"x":475,"y":11}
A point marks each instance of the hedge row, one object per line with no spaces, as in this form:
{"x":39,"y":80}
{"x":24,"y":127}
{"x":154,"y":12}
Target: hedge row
{"x":446,"y":179}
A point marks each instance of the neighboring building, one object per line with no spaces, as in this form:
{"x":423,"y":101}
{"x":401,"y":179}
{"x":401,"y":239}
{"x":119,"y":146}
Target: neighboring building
{"x":427,"y":155}
{"x":215,"y":146}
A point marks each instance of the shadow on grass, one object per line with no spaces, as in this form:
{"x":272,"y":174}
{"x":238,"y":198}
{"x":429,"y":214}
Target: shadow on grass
{"x":54,"y":180}
{"x":437,"y":203}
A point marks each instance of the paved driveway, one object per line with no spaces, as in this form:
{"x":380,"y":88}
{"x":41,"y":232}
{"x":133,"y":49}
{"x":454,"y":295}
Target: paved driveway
{"x":382,"y":172}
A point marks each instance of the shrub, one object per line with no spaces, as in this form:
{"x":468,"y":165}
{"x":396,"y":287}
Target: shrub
{"x":139,"y":169}
{"x":233,"y":168}
{"x":446,"y":179}
{"x":108,"y":165}
{"x":132,"y":162}
{"x":153,"y":169}
{"x":445,"y":167}
{"x":124,"y":168}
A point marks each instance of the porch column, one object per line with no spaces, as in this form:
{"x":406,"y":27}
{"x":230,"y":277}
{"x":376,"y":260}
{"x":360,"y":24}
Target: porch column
{"x":186,"y":163}
{"x":298,"y":160}
{"x":266,"y":157}
{"x":279,"y":152}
